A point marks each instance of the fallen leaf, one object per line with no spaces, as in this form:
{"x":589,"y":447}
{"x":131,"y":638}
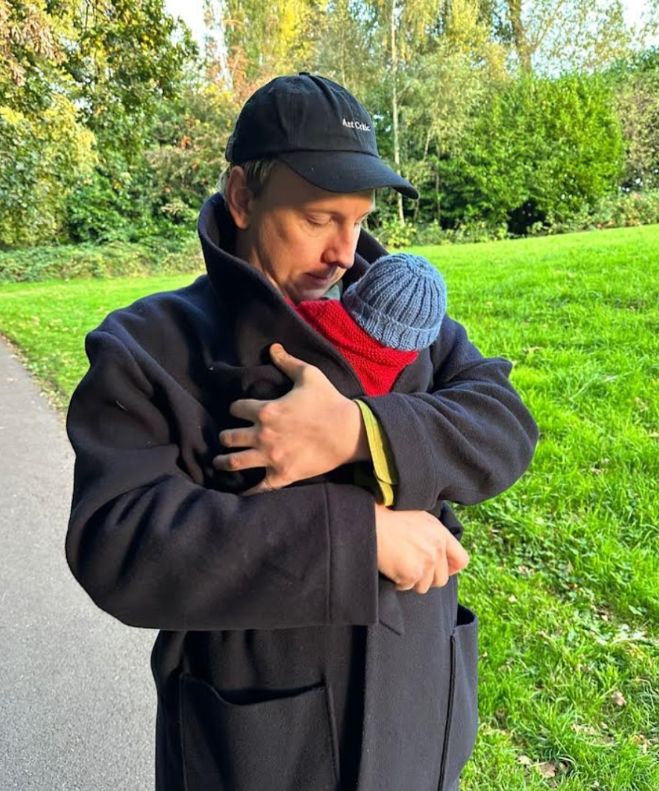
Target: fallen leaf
{"x":618,"y":698}
{"x":547,"y":769}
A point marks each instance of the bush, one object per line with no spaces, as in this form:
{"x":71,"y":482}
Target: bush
{"x":612,"y":211}
{"x":95,"y":261}
{"x":540,"y":150}
{"x":40,"y":159}
{"x":637,"y":104}
{"x":393,"y":234}
{"x":475,"y":231}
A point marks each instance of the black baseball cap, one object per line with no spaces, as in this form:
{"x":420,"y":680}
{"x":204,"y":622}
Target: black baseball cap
{"x":319,"y":130}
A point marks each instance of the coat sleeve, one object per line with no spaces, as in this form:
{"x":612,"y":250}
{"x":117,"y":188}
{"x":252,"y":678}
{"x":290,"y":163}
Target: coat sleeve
{"x":468,"y":439}
{"x":155,"y":549}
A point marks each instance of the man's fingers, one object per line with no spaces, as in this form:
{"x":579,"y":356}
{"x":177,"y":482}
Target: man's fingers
{"x":441,"y":571}
{"x":291,"y":366}
{"x":239,"y":460}
{"x":456,"y":555}
{"x":238,"y":437}
{"x":247,"y":408}
{"x":404,"y":587}
{"x":426,"y":582}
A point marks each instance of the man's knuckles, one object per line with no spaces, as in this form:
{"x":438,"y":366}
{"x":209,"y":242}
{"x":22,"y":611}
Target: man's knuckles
{"x":267,"y":413}
{"x":277,"y":457}
{"x":266,"y":436}
{"x":231,"y":438}
{"x":233,"y":462}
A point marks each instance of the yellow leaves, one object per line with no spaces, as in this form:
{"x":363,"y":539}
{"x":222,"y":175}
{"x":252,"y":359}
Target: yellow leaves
{"x":10,"y":116}
{"x":28,"y":27}
{"x":49,"y":150}
{"x":287,"y":31}
{"x":464,"y":24}
{"x":63,"y":135}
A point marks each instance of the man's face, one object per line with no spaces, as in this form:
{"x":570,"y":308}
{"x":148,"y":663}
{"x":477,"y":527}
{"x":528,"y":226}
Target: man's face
{"x":301,"y":237}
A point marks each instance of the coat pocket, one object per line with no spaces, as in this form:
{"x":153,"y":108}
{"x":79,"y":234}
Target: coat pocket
{"x":276,"y":742}
{"x":462,"y":714}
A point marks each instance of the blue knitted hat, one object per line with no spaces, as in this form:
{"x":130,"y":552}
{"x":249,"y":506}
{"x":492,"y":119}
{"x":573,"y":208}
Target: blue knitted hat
{"x":400,"y":301}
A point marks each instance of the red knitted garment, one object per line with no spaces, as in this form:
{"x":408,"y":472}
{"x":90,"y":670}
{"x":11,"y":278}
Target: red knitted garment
{"x":377,"y":366}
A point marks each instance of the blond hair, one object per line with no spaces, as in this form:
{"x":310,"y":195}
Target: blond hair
{"x":257,"y":173}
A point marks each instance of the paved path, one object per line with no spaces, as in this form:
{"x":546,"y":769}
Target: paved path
{"x":77,"y":701}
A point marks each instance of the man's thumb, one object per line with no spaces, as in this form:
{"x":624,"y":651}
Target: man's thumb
{"x":291,"y":366}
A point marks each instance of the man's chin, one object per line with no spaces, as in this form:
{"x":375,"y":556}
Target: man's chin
{"x":310,"y":288}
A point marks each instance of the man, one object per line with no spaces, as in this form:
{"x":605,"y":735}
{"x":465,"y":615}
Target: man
{"x":311,"y":637}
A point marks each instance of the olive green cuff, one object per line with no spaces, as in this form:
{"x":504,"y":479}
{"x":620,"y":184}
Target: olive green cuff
{"x":384,"y":477}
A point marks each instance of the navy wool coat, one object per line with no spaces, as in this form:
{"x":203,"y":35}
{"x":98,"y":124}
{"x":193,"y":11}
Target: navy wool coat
{"x":284,"y":660}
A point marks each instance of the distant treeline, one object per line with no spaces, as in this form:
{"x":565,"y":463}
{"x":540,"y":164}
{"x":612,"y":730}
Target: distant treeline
{"x":113,"y":124}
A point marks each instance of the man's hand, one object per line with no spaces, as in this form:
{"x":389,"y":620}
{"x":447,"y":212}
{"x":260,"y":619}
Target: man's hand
{"x":415,"y":550}
{"x":311,"y":430}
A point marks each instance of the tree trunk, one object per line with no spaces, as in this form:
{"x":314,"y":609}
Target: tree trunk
{"x":519,"y":35}
{"x":394,"y":103}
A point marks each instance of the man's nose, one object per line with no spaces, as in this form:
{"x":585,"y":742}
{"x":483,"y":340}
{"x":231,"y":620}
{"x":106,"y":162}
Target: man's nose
{"x":341,"y":250}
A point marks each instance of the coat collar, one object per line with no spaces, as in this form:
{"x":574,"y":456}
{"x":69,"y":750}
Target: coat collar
{"x":258,"y":315}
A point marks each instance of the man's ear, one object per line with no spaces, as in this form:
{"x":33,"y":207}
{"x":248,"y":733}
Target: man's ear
{"x":239,"y":197}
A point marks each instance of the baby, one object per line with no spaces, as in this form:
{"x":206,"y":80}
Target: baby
{"x":384,"y":319}
{"x":379,"y":325}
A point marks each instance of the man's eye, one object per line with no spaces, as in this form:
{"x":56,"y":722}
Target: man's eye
{"x":316,"y":223}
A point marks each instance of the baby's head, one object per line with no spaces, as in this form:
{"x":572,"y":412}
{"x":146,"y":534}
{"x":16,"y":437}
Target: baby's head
{"x":400,"y":301}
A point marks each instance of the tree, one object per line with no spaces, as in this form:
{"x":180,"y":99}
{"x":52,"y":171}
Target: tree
{"x":558,"y":36}
{"x":258,"y":40}
{"x":637,"y":104}
{"x":403,"y":27}
{"x":128,"y":59}
{"x":447,"y":86}
{"x":192,"y":133}
{"x":345,"y":46}
{"x":541,"y":150}
{"x":44,"y":146}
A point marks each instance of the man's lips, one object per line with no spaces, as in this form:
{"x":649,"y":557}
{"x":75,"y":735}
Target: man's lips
{"x":322,"y":277}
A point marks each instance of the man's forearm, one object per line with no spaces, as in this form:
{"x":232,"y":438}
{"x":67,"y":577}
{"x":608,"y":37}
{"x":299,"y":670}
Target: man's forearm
{"x":468,"y":439}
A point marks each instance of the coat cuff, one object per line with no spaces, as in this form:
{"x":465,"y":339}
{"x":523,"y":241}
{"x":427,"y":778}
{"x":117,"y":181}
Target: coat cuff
{"x":384,"y":475}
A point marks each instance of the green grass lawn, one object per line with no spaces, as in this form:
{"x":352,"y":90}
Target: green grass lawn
{"x":564,"y":573}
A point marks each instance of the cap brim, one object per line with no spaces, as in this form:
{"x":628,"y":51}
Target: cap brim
{"x":345,"y":171}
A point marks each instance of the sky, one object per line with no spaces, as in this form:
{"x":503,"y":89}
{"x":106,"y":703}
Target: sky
{"x":192,"y":13}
